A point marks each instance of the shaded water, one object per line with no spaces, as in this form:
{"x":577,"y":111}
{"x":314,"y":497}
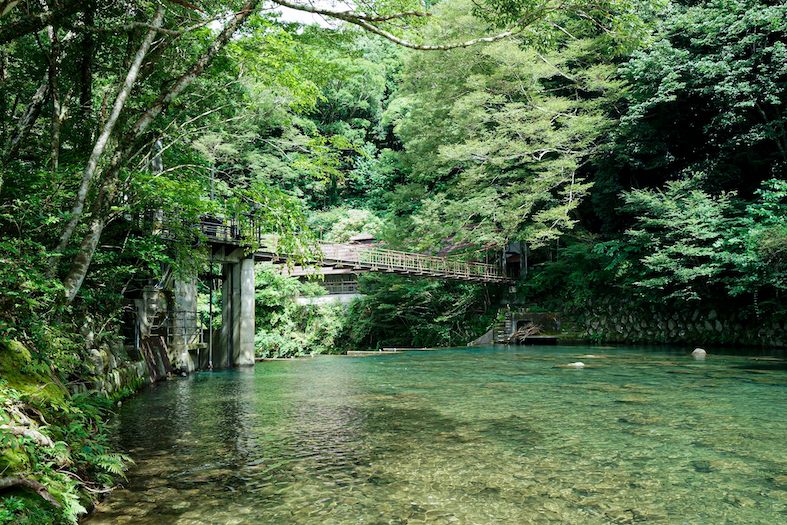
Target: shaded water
{"x":467,"y":436}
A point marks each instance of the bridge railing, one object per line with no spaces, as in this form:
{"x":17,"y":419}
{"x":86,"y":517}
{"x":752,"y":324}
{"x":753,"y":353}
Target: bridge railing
{"x":411,"y":262}
{"x":224,"y":229}
{"x":231,"y":231}
{"x":340,"y":287}
{"x":184,"y":327}
{"x":428,"y":264}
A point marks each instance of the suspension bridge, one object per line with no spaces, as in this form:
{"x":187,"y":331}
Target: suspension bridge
{"x":186,"y":345}
{"x":357,"y":257}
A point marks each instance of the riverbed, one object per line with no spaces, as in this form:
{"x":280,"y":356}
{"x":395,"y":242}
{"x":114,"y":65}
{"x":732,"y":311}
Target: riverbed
{"x":501,"y":435}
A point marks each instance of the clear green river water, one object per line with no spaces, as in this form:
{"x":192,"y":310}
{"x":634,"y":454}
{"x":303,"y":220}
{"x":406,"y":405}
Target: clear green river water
{"x":465,"y":436}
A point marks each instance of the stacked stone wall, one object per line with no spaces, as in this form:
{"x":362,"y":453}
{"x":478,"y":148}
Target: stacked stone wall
{"x":615,"y":320}
{"x":110,"y":370}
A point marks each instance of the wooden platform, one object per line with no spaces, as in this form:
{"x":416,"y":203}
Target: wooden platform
{"x":362,"y":353}
{"x":533,"y":340}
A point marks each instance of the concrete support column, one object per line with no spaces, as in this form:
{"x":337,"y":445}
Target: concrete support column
{"x":245,"y":349}
{"x":235,"y":311}
{"x":222,"y":355}
{"x":237,"y":316}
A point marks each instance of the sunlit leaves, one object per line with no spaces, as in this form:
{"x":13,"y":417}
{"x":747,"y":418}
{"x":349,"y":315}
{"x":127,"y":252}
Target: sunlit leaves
{"x":692,"y":244}
{"x":499,"y":134}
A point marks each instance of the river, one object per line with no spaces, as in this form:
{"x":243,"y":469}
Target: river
{"x":465,"y":436}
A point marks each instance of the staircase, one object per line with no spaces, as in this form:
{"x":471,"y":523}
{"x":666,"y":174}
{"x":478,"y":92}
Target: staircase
{"x":501,"y":328}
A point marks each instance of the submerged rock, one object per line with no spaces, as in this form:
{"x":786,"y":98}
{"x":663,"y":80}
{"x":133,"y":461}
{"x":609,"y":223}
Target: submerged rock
{"x":578,"y":364}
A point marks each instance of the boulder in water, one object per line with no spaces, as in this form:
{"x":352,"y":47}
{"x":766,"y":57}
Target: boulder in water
{"x":578,"y":364}
{"x":699,"y":354}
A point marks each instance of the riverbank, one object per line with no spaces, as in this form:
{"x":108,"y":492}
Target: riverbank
{"x":57,"y":456}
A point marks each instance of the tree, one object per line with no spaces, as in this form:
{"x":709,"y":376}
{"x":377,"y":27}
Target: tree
{"x":177,"y":30}
{"x":497,"y":134}
{"x":400,"y":311}
{"x":689,"y":244}
{"x":706,"y":95}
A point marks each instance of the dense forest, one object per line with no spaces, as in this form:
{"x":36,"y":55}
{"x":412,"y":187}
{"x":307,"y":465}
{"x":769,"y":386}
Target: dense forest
{"x":638,"y":148}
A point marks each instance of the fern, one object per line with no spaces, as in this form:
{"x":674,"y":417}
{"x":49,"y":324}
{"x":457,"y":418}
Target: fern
{"x":114,"y":463}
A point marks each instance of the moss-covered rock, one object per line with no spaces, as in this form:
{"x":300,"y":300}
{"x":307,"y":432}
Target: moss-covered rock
{"x":25,"y":374}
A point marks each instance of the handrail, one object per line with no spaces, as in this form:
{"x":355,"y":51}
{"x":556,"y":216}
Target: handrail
{"x":396,"y":260}
{"x":363,"y":256}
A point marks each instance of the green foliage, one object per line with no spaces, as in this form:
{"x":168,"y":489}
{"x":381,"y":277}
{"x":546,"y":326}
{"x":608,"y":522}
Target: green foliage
{"x":373,"y":176}
{"x":497,"y":134}
{"x":287,"y":329}
{"x":77,"y":458}
{"x":398,"y":311}
{"x":23,"y":509}
{"x":766,"y":226}
{"x":705,"y":95}
{"x":689,"y":242}
{"x":340,"y":224}
{"x":41,"y":349}
{"x":583,"y":270}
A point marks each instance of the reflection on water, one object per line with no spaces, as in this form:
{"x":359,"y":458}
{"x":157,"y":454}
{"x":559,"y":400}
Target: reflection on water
{"x":469,"y":436}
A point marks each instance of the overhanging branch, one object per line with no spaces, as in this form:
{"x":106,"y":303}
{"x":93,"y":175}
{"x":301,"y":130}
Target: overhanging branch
{"x":33,"y":23}
{"x":10,"y":482}
{"x":368,"y":23}
{"x":125,"y":28}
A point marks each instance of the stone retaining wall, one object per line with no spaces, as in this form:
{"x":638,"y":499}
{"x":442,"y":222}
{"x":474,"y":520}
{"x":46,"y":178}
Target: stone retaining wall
{"x":110,"y":370}
{"x":131,"y":377}
{"x":614,"y":320}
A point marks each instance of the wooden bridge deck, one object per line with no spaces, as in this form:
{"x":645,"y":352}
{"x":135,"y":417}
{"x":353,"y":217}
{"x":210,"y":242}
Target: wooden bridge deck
{"x":361,"y":257}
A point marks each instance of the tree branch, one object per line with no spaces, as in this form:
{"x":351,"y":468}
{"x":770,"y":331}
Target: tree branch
{"x":367,"y":23}
{"x":36,"y":22}
{"x":108,"y":190}
{"x":10,"y":482}
{"x":125,"y":28}
{"x":101,"y":142}
{"x":30,"y":433}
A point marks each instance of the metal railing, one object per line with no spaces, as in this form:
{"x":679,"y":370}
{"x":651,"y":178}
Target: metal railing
{"x":373,"y":258}
{"x":184,"y":327}
{"x":340,"y":287}
{"x":232,"y":230}
{"x":361,"y":257}
{"x":429,"y":265}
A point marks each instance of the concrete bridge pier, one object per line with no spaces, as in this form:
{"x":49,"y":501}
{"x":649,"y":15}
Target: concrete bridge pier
{"x":236,"y":339}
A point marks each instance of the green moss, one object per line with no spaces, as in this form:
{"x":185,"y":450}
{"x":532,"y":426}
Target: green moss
{"x":13,"y":459}
{"x":28,"y":375}
{"x":13,"y":357}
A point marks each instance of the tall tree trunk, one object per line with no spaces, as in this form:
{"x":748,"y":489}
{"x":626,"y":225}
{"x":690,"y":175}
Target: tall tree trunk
{"x":27,"y":120}
{"x":85,"y":114}
{"x":106,"y":132}
{"x":76,"y":276}
{"x":54,"y":90}
{"x":33,"y":109}
{"x":3,"y":78}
